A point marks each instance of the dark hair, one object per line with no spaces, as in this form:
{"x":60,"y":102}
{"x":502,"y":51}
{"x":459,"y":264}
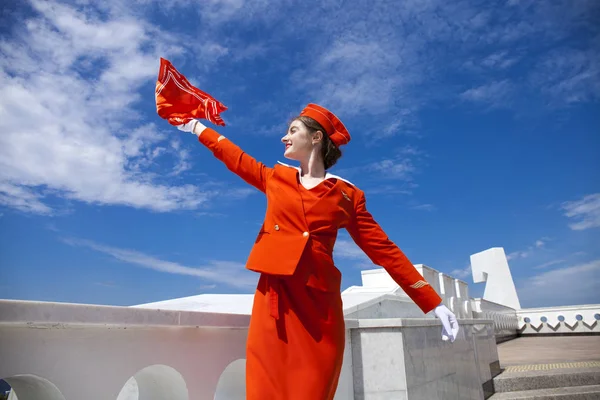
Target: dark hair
{"x":329,"y":151}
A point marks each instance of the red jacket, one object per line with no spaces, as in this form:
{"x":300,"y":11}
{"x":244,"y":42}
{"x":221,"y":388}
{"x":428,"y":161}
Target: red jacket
{"x":286,"y":231}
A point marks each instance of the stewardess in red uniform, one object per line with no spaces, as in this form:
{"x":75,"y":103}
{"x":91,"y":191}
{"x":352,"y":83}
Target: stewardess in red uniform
{"x":296,"y":337}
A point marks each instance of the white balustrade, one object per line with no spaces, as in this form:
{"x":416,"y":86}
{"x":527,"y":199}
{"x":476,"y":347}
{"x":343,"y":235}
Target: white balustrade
{"x":560,"y":320}
{"x":462,"y":293}
{"x":61,"y":351}
{"x":448,"y":292}
{"x":431,"y":276}
{"x":505,"y":318}
{"x":454,"y":292}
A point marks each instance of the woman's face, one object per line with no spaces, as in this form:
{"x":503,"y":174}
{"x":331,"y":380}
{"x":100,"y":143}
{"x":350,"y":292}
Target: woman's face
{"x":298,"y":141}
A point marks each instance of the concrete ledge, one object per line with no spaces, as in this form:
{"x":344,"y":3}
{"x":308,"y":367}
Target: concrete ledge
{"x":557,"y":334}
{"x":63,"y":315}
{"x":370,"y":301}
{"x":407,"y":322}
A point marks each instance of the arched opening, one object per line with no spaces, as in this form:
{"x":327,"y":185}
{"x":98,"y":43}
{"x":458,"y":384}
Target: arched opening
{"x":32,"y":387}
{"x":232,"y":382}
{"x":156,"y":382}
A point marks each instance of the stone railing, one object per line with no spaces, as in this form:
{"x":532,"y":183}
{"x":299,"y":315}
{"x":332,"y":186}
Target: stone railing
{"x":454,"y":292}
{"x":58,"y":351}
{"x":583,"y":319}
{"x":505,"y":319}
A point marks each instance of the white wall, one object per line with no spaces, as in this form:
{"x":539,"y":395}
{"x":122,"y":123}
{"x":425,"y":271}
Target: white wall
{"x":563,"y":320}
{"x":92,"y":352}
{"x":491,"y":266}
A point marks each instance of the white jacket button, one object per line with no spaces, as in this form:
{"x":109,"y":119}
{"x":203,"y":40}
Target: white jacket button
{"x":305,"y":234}
{"x":276,"y":227}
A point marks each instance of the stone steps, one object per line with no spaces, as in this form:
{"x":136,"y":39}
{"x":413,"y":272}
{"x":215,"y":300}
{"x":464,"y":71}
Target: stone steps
{"x":541,"y":382}
{"x":564,"y":393}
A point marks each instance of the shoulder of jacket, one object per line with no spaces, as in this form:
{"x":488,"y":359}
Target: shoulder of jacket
{"x":342,"y":179}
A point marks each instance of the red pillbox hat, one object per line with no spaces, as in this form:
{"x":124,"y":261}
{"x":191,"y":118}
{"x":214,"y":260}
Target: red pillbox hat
{"x":179,"y":102}
{"x":334,"y":128}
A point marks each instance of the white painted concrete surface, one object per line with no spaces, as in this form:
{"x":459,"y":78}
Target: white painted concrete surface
{"x":505,"y":318}
{"x":563,"y":320}
{"x":491,"y":266}
{"x":92,"y":352}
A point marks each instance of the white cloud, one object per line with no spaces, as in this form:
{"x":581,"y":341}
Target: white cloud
{"x":22,"y":199}
{"x":518,"y":254}
{"x":223,"y":272}
{"x":354,"y":76}
{"x":585,"y":212}
{"x":568,"y":75}
{"x":370,"y":68}
{"x":538,"y":246}
{"x":401,"y":166}
{"x":549,"y":264}
{"x":393,"y":168}
{"x":403,"y":122}
{"x":397,"y":188}
{"x":220,"y":11}
{"x":495,"y":61}
{"x":67,"y":80}
{"x":183,"y":157}
{"x":461,"y":273}
{"x":349,"y":250}
{"x":494,"y":93}
{"x":424,"y":207}
{"x":577,"y":284}
{"x":499,"y":60}
{"x":67,"y":111}
{"x":387,"y":60}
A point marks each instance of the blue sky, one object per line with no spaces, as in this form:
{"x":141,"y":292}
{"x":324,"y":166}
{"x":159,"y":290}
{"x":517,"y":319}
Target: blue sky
{"x":474,"y":124}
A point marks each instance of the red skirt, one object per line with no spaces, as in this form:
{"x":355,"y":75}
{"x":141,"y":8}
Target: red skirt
{"x":295,"y":342}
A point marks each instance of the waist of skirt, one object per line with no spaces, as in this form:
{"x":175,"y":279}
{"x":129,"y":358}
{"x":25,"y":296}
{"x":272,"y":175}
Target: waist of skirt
{"x":274,"y":285}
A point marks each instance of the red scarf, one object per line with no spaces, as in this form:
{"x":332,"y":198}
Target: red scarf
{"x":179,"y":102}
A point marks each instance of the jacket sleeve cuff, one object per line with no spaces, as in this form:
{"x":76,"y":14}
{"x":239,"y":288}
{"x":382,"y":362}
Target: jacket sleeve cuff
{"x":210,"y":138}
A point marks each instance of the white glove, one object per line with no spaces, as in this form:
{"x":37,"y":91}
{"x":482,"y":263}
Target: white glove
{"x":449,"y":322}
{"x":194,"y":126}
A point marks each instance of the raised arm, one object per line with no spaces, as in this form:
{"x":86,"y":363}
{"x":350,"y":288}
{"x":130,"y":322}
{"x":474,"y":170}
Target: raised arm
{"x":234,"y":158}
{"x":371,"y":238}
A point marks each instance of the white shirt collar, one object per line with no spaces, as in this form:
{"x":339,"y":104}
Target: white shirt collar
{"x":327,"y":174}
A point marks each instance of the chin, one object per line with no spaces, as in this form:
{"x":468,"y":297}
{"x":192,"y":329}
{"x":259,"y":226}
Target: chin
{"x":289,"y":155}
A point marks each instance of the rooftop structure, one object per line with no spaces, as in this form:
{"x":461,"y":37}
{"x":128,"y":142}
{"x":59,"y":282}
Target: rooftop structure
{"x":193,"y":347}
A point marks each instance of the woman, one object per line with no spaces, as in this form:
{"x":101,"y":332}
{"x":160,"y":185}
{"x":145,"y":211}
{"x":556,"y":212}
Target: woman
{"x":296,"y":335}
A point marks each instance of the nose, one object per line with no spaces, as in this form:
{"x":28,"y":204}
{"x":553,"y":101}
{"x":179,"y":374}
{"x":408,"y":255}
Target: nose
{"x":284,"y":139}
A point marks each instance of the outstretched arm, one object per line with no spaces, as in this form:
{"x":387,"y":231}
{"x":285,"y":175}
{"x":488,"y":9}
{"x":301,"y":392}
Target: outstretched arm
{"x":234,"y":158}
{"x":371,"y":238}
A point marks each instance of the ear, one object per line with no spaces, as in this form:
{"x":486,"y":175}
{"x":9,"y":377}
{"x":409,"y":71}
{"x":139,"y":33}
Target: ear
{"x":317,"y":137}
